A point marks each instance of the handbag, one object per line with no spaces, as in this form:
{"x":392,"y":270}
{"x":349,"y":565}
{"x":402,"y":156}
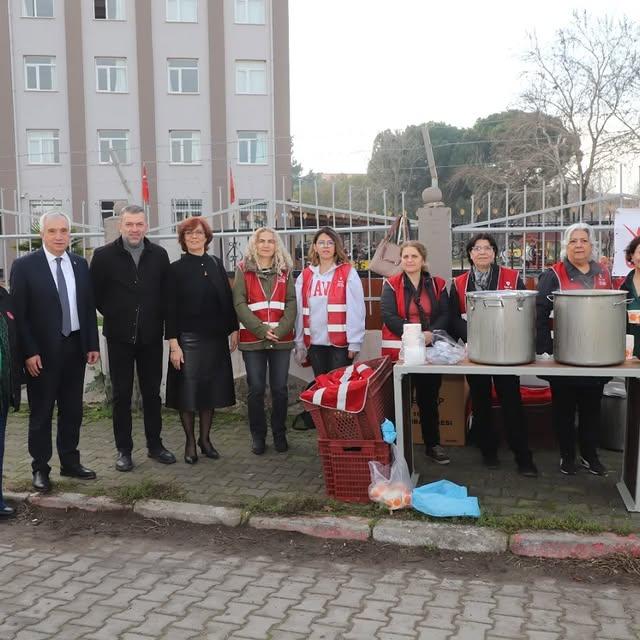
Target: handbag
{"x":386,"y":259}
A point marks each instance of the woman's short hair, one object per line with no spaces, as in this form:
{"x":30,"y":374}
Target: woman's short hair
{"x":570,"y":230}
{"x":190,"y":224}
{"x":341,"y":255}
{"x":481,"y":236}
{"x":281,"y":260}
{"x":419,"y":247}
{"x":630,"y":249}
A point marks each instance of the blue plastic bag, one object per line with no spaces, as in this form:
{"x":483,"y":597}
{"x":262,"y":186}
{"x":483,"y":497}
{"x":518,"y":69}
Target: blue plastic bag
{"x":444,"y":499}
{"x":388,"y":431}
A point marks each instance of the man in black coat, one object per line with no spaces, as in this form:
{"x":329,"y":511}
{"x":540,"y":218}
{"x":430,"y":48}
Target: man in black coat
{"x":129,"y":278}
{"x":58,"y":336}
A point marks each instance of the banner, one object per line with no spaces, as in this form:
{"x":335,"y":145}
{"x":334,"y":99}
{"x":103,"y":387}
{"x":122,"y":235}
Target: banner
{"x":625,"y":227}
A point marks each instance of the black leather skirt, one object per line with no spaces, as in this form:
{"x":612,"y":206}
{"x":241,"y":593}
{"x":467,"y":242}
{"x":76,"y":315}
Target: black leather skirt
{"x":205,"y":379}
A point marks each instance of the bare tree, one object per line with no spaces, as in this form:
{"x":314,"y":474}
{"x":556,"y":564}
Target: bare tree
{"x":588,"y":78}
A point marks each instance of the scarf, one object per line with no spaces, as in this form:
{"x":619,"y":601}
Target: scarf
{"x":481,"y":278}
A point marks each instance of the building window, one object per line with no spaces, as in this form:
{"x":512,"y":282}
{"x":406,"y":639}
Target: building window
{"x":43,"y":146}
{"x":185,"y":147}
{"x":106,"y":209}
{"x":182,"y":10}
{"x":116,"y":139}
{"x":251,"y":76}
{"x":108,"y":9}
{"x":182,"y":208}
{"x":111,"y":75}
{"x":250,"y":11}
{"x":183,"y":75}
{"x":37,"y":8}
{"x":38,"y":207}
{"x":40,"y":73}
{"x":253,"y":213}
{"x":252,"y":147}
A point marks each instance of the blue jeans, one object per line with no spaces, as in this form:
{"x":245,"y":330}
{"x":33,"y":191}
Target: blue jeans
{"x":256,"y":363}
{"x":3,"y":425}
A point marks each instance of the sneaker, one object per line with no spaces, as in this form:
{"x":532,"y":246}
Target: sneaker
{"x":528,"y":469}
{"x":567,"y":466}
{"x":490,"y":460}
{"x":437,"y":454}
{"x":594,"y":466}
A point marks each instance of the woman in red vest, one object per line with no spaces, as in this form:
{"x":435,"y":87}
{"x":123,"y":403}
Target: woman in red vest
{"x":331,"y":310}
{"x":413,"y":296}
{"x":486,"y":275}
{"x":576,"y":270}
{"x":265,"y":303}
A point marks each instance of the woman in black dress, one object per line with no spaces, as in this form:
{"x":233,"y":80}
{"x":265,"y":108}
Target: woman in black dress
{"x":202,"y":330}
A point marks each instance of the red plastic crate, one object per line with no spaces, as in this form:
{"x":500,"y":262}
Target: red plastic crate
{"x":333,"y":424}
{"x":345,"y":464}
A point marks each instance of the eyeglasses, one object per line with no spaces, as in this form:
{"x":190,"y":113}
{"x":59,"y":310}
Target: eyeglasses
{"x":195,"y":232}
{"x":326,"y":243}
{"x":482,"y":249}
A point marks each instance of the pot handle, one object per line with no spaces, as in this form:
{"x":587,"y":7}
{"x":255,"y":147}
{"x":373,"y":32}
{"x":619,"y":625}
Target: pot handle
{"x":486,"y":303}
{"x":627,"y":301}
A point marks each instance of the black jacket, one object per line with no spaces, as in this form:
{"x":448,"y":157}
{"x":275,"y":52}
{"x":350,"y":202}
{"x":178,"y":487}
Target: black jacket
{"x":457,"y":324}
{"x":199,"y":298}
{"x":15,"y":372}
{"x":132,"y":300}
{"x":438,"y":319}
{"x":38,"y":310}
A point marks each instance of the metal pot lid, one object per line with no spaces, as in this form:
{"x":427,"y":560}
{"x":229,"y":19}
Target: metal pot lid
{"x":590,"y":293}
{"x":501,"y":295}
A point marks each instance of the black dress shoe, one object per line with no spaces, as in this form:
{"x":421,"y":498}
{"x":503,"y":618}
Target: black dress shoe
{"x":208,"y":450}
{"x":41,"y":482}
{"x":280,"y":443}
{"x":78,"y":471}
{"x":162,"y":455}
{"x":6,"y":511}
{"x":258,"y":446}
{"x":124,"y":461}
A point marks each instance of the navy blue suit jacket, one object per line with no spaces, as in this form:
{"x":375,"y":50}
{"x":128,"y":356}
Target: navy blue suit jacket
{"x":38,"y":309}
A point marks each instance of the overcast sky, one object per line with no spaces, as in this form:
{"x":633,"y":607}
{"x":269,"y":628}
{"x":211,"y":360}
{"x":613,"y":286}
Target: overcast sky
{"x":361,"y":66}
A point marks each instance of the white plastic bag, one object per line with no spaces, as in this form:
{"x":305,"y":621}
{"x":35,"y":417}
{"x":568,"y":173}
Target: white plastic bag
{"x":445,"y":350}
{"x":391,"y":486}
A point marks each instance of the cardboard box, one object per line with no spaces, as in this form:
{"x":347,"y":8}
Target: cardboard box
{"x":452,"y":403}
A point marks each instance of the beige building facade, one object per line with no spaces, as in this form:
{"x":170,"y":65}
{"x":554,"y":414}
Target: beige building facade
{"x":95,"y":90}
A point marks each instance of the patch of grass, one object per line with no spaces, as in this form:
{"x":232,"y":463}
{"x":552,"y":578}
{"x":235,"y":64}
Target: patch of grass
{"x":309,"y":505}
{"x":97,"y":412}
{"x":147,"y":490}
{"x":519,"y":522}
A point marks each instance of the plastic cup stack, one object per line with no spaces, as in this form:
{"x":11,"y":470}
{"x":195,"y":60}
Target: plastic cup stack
{"x":414,"y":350}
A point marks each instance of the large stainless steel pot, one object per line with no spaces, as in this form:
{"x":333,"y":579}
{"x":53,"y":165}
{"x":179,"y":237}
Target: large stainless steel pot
{"x":501,"y":327}
{"x":589,"y":327}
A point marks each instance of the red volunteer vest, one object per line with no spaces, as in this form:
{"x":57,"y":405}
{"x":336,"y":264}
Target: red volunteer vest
{"x":601,"y":281}
{"x":267,"y":311}
{"x":507,"y":280}
{"x":391,"y":343}
{"x":336,"y":306}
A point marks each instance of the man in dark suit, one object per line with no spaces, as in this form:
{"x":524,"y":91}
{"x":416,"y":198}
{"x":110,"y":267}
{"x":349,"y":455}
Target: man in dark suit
{"x":58,"y":336}
{"x":129,"y":279}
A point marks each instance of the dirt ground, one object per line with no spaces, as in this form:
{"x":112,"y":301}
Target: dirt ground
{"x":58,"y":527}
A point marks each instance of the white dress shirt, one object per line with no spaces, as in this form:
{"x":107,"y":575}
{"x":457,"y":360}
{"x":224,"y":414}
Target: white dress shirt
{"x":70,"y":280}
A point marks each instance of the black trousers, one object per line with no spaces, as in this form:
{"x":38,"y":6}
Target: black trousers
{"x":60,"y":382}
{"x":148,"y":362}
{"x":256,"y":363}
{"x":327,"y":358}
{"x":565,"y":400}
{"x":508,"y":390}
{"x":427,"y":394}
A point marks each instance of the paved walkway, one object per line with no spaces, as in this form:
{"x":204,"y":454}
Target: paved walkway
{"x":240,"y":476}
{"x":104,"y":588}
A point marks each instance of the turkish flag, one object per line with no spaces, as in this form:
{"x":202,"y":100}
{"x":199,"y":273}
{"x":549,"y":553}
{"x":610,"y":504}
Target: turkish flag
{"x":232,"y":187}
{"x":145,"y":185}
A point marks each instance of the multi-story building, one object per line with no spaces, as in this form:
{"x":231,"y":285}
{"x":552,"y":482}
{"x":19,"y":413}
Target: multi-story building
{"x":96,"y":91}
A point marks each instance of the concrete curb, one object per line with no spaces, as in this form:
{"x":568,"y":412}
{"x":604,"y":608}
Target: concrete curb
{"x":441,"y":536}
{"x":539,"y":544}
{"x":560,"y":544}
{"x":189,"y":512}
{"x":343,"y":528}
